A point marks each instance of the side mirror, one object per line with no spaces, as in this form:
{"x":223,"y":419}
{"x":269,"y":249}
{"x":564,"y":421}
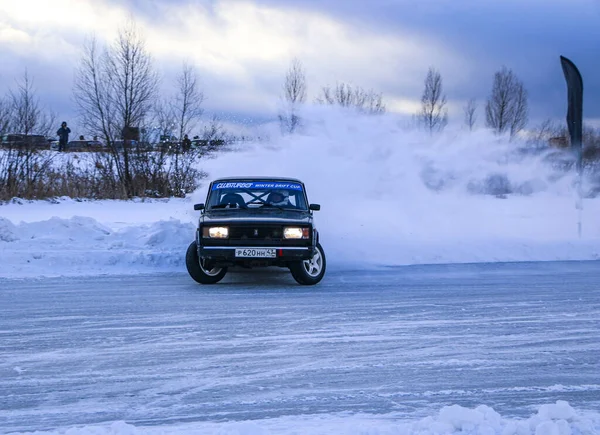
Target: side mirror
{"x":315,"y":207}
{"x":198,"y":207}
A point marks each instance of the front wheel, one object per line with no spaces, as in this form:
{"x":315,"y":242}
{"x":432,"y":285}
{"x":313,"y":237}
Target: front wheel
{"x":310,"y":272}
{"x":200,"y":270}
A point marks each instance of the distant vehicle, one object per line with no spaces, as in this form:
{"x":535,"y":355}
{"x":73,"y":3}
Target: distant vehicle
{"x":204,"y":143}
{"x":256,"y":222}
{"x":121,"y":144}
{"x":167,"y":138}
{"x":80,"y":145}
{"x":34,"y":141}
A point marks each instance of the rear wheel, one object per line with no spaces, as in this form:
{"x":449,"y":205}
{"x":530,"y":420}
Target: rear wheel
{"x":201,"y":270}
{"x":310,"y":272}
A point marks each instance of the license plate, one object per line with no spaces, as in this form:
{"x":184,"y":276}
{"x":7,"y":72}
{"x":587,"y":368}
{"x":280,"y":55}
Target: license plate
{"x":255,"y":253}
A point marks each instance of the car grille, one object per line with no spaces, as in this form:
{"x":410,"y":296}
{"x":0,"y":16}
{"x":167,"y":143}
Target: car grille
{"x":256,"y":232}
{"x":256,"y":235}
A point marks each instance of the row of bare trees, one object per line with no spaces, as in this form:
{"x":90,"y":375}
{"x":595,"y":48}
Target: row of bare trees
{"x":342,"y":94}
{"x":117,"y":93}
{"x":506,"y":109}
{"x":116,"y":90}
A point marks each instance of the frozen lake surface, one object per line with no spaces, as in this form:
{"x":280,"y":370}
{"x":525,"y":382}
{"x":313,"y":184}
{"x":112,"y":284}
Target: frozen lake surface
{"x":160,"y":349}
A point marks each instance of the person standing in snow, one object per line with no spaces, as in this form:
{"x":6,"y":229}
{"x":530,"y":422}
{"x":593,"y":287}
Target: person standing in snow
{"x":63,"y":136}
{"x":186,"y":144}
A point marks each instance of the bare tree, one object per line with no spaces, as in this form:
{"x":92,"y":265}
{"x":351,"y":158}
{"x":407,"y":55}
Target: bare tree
{"x":521,"y":111}
{"x":133,"y":80}
{"x":133,"y":83}
{"x":470,"y":110}
{"x":22,"y":168}
{"x":294,"y":94}
{"x":115,"y":93}
{"x":548,"y":132}
{"x":214,"y":131}
{"x":345,"y":95}
{"x":25,"y":107}
{"x":188,"y":100}
{"x":7,"y":163}
{"x":28,"y":116}
{"x":295,"y":83}
{"x":433,"y":114}
{"x":506,"y":109}
{"x":93,"y":93}
{"x":186,"y":110}
{"x":182,"y":168}
{"x":165,"y":119}
{"x":5,"y":116}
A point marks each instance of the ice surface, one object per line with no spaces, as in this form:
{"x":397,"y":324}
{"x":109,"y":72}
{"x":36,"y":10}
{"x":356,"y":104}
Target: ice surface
{"x":446,"y":349}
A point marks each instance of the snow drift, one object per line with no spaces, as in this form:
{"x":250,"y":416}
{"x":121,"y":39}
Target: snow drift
{"x":389,"y":195}
{"x":558,"y":418}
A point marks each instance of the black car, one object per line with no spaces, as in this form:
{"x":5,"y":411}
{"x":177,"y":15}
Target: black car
{"x":256,"y":222}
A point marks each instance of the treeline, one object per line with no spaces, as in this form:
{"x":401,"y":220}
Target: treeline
{"x":116,"y":91}
{"x":505,"y":111}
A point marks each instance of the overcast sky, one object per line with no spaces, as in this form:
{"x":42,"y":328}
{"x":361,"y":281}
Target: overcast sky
{"x":242,"y":49}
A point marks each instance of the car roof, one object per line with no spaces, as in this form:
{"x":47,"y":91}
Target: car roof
{"x":255,"y":178}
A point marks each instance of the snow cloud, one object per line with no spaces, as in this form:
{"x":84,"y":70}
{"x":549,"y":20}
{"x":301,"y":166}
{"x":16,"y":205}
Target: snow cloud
{"x":389,"y":196}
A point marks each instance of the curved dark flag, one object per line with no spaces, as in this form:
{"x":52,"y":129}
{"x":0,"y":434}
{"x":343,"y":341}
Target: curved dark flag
{"x":575,"y":110}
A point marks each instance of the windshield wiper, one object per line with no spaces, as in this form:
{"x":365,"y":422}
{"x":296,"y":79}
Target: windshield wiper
{"x":225,"y":206}
{"x":274,"y":206}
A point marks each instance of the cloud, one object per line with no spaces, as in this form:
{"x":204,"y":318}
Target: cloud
{"x":251,"y":46}
{"x":242,"y":48}
{"x":527,"y":36}
{"x":8,"y":35}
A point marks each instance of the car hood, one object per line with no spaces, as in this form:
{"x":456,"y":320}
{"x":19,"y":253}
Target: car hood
{"x":255,"y":216}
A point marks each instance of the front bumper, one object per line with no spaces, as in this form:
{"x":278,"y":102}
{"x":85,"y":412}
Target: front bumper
{"x":226,"y":255}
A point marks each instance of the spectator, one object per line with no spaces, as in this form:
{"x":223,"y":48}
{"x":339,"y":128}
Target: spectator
{"x":187,"y":143}
{"x":63,"y":136}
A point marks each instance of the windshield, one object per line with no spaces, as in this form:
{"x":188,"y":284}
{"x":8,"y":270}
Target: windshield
{"x":257,"y":195}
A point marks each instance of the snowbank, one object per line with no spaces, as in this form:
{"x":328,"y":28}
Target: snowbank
{"x":552,"y":419}
{"x":485,"y":230}
{"x":83,"y":246}
{"x":389,"y":196}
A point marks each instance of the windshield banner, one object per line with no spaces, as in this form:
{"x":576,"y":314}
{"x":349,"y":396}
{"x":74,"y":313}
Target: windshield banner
{"x":257,"y":185}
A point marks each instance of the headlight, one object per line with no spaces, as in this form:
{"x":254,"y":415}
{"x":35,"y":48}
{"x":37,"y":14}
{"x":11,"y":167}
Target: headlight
{"x":218,"y":232}
{"x":295,"y":233}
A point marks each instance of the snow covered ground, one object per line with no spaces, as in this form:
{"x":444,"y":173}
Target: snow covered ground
{"x":82,"y":238}
{"x":389,"y":196}
{"x":551,"y":419}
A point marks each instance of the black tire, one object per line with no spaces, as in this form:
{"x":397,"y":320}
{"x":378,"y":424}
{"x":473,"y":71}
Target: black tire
{"x":198,"y":272}
{"x":310,"y":272}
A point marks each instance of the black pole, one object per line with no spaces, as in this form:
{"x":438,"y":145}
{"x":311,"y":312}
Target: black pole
{"x":575,"y":121}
